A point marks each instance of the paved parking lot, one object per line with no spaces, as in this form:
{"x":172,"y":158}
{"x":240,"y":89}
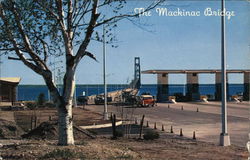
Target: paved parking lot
{"x":206,"y":122}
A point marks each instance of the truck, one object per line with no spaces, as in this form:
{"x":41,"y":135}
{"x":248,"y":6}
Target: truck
{"x":146,"y":100}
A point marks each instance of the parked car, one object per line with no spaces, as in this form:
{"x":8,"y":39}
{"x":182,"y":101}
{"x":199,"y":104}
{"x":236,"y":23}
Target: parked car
{"x":99,"y":99}
{"x":146,"y":101}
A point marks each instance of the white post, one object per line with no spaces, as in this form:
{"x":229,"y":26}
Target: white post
{"x":224,"y":136}
{"x":105,"y":113}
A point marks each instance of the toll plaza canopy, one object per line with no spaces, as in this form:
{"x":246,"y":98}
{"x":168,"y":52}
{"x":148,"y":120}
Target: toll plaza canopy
{"x":192,"y":92}
{"x":193,"y":71}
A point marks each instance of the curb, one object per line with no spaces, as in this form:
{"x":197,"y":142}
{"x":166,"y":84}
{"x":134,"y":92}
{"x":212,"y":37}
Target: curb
{"x":101,"y":125}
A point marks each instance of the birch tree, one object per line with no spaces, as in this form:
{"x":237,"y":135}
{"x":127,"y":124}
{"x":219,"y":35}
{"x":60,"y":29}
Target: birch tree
{"x":34,"y":30}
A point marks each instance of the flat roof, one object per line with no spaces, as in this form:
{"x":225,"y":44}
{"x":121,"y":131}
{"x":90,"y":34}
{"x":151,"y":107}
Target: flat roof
{"x":159,"y":71}
{"x":11,"y":79}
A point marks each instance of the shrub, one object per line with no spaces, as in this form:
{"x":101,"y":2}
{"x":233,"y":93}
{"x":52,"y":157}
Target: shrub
{"x":151,"y":135}
{"x":1,"y":133}
{"x":31,"y":105}
{"x":119,"y":133}
{"x":41,"y":99}
{"x":126,"y":156}
{"x":62,"y":154}
{"x":11,"y":128}
{"x":93,"y":132}
{"x":50,"y":105}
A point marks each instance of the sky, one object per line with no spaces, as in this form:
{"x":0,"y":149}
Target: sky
{"x":166,"y":42}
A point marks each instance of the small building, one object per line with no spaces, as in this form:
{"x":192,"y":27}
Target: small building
{"x":8,"y":89}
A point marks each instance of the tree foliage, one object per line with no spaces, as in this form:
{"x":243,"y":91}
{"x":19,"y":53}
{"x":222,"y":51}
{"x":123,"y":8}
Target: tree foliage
{"x":42,"y":23}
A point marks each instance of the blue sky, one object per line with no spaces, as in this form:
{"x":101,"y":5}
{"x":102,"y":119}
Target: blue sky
{"x":174,"y":43}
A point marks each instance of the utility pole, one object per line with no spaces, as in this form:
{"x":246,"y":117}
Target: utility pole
{"x":224,"y":136}
{"x":105,"y":113}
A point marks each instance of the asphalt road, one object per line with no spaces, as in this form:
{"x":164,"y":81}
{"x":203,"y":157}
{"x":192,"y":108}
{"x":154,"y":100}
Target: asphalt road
{"x":206,"y":123}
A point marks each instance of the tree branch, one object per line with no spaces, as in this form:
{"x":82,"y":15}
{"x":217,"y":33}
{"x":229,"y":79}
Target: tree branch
{"x":45,"y":48}
{"x":91,"y":55}
{"x":15,"y":45}
{"x":120,"y":17}
{"x":18,"y":59}
{"x":69,"y":21}
{"x":25,"y":38}
{"x":59,"y":5}
{"x":76,"y":19}
{"x":11,"y":49}
{"x":85,"y":6}
{"x":46,"y":74}
{"x":53,"y":14}
{"x":94,"y":16}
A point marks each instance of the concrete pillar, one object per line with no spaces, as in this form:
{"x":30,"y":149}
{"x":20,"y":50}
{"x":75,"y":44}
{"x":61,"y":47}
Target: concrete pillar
{"x":162,"y":87}
{"x":217,"y":93}
{"x":246,"y":86}
{"x":192,"y":87}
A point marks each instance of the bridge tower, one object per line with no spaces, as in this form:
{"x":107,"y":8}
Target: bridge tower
{"x":137,"y":73}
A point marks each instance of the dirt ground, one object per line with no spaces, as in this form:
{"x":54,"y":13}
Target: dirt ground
{"x":168,"y":146}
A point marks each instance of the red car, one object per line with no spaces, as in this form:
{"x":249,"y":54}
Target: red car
{"x":147,"y":100}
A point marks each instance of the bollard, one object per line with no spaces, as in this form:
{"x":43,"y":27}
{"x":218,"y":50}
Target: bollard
{"x":162,"y":128}
{"x":194,"y":137}
{"x":114,"y":126}
{"x":31,"y":122}
{"x":181,"y":132}
{"x":155,"y":126}
{"x":197,"y":110}
{"x":135,"y":120}
{"x":111,"y":114}
{"x":168,"y":106}
{"x":147,"y":124}
{"x":141,"y":127}
{"x":181,"y":107}
{"x":171,"y":130}
{"x":35,"y":121}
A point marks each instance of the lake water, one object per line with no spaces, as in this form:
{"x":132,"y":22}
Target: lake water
{"x":31,"y":92}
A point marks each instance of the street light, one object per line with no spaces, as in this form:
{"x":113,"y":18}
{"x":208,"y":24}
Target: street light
{"x":105,"y":113}
{"x":224,"y":136}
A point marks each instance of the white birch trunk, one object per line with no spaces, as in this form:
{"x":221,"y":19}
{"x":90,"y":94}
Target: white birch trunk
{"x":65,"y":119}
{"x":64,"y":106}
{"x":65,"y":125}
